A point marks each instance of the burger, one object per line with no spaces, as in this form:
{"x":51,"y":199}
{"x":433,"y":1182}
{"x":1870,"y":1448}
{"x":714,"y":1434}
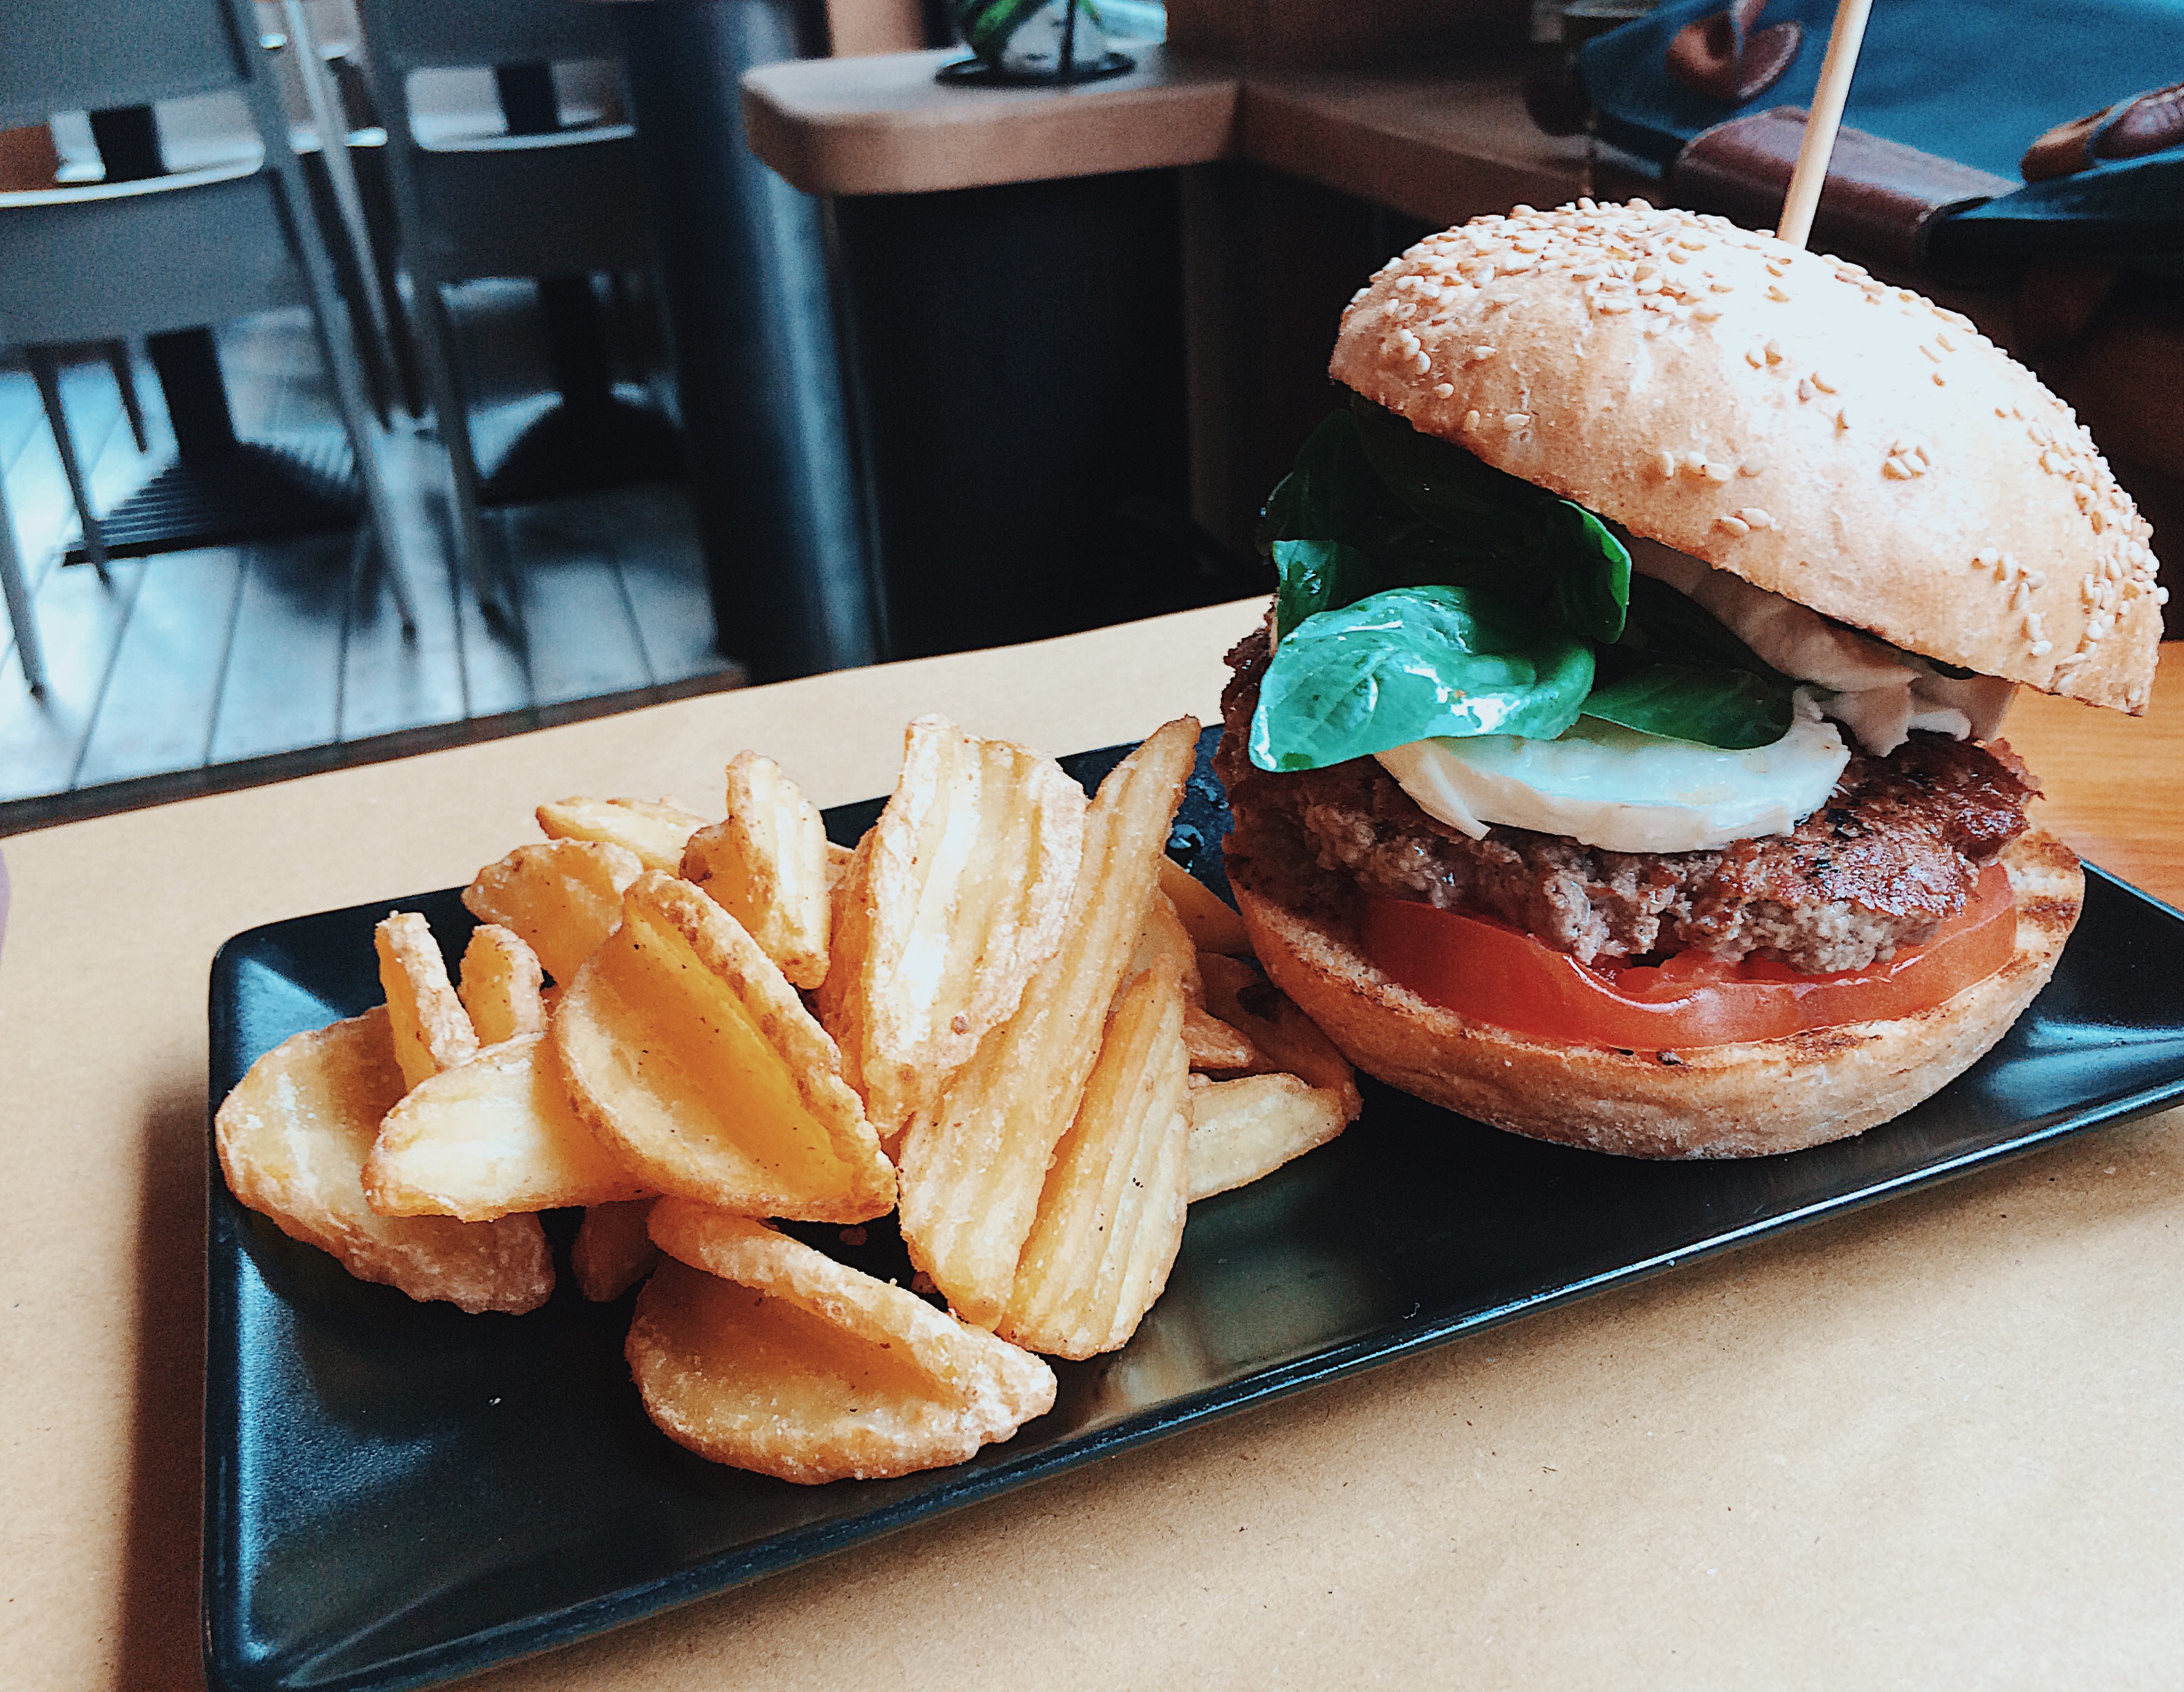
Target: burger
{"x":1619,"y":763}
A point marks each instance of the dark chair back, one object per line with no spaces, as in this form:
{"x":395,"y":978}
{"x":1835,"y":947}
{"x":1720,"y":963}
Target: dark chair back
{"x":90,"y":55}
{"x":416,"y":34}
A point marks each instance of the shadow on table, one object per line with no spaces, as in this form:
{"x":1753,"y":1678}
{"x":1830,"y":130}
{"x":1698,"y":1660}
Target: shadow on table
{"x":157,"y":1622}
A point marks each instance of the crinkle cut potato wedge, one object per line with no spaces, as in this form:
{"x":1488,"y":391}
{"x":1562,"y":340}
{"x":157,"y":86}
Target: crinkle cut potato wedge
{"x":1165,"y":936}
{"x":1251,"y":1127}
{"x":655,"y":830}
{"x":491,"y":1138}
{"x":1110,"y":1217}
{"x":974,"y":1168}
{"x":612,"y":1251}
{"x":432,"y":1030}
{"x":750,"y":1348}
{"x":1214,"y":927}
{"x":562,"y":896}
{"x":767,"y":864}
{"x":689,"y":1054}
{"x":1286,"y":1039}
{"x":293,"y":1137}
{"x":501,"y":986}
{"x":962,"y":890}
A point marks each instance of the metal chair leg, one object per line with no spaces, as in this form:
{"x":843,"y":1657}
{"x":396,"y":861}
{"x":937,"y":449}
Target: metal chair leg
{"x":45,"y":371}
{"x":436,"y":341}
{"x":125,"y":379}
{"x":17,"y":592}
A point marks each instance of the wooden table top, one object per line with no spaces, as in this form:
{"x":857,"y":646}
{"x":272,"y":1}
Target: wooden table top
{"x":1436,"y":142}
{"x":1935,"y":1437}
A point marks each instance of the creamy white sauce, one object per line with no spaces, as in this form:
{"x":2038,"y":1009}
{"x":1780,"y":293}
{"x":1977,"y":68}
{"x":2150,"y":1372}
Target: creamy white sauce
{"x":1878,"y":693}
{"x":1623,"y":791}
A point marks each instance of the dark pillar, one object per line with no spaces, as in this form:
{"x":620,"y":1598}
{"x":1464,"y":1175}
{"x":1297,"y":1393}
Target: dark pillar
{"x":771,"y":471}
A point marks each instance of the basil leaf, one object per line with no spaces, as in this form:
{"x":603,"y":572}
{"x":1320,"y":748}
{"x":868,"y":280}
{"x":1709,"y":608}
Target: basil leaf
{"x":1315,"y":577}
{"x":1443,"y":483}
{"x":1731,"y":708}
{"x":1411,"y":663}
{"x":1591,"y":572}
{"x":1331,"y":493}
{"x":1551,"y":551}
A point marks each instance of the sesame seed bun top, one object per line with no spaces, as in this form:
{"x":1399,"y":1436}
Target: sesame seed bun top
{"x":1782,"y":415}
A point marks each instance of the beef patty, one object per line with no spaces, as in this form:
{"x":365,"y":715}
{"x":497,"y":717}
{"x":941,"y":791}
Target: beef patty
{"x":1894,"y":853}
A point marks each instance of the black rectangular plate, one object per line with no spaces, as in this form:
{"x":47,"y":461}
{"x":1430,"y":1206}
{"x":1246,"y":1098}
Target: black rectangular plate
{"x":397,"y":1494}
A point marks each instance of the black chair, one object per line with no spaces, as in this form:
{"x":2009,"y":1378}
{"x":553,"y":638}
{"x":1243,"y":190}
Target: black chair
{"x":102,"y":261}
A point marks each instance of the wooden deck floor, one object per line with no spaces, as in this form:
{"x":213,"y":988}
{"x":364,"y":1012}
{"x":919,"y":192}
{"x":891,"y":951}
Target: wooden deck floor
{"x":225,"y":666}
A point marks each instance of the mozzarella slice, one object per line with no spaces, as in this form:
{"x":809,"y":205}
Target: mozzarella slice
{"x":1623,"y":791}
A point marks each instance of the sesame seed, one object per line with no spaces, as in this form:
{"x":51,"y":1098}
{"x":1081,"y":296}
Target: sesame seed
{"x":1718,"y":473}
{"x":1705,"y":314}
{"x":1470,"y":421}
{"x":2019,"y":594}
{"x":1930,"y":352}
{"x":1516,"y":420}
{"x":1665,"y":462}
{"x":1424,"y":362}
{"x":2035,"y":578}
{"x":1939,"y":381}
{"x":1987,"y":559}
{"x":1776,"y":291}
{"x":1896,"y":470}
{"x":1805,"y":389}
{"x":1481,"y":352}
{"x":1736,"y":525}
{"x":1756,"y":517}
{"x":1613,"y":307}
{"x":1753,"y":467}
{"x":1755,"y":357}
{"x":1443,"y":390}
{"x":1720,"y":286}
{"x":1842,"y":417}
{"x":2040,"y":648}
{"x":1822,"y":383}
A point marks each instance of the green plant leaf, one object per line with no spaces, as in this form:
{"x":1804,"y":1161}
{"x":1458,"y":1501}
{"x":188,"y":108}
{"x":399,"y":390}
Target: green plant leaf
{"x":1551,"y":552}
{"x":1731,"y":708}
{"x":1410,"y":664}
{"x":1316,"y":576}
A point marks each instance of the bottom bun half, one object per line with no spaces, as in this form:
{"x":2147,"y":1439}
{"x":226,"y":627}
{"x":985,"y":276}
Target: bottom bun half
{"x":1741,"y":1101}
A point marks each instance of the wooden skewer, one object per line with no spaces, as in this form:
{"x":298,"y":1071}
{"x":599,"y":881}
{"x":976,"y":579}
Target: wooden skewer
{"x":1823,"y":122}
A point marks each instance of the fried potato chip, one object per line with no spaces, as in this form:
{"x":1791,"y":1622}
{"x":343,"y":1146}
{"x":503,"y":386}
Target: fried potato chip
{"x":1286,"y":1038}
{"x":1164,"y":936}
{"x":974,"y":1166}
{"x":612,"y":1252}
{"x":959,"y":893}
{"x":1110,"y":1217}
{"x":688,"y":1051}
{"x":1213,"y":926}
{"x":293,"y":1137}
{"x":491,"y":1138}
{"x":432,"y":1031}
{"x":562,"y":898}
{"x":655,"y":830}
{"x":769,"y":1355}
{"x":501,"y":986}
{"x":1243,"y":1129}
{"x":766,"y":865}
{"x":1214,"y":1044}
{"x":838,"y":859}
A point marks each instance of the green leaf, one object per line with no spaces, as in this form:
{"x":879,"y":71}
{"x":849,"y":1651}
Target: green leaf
{"x":1731,"y":708}
{"x":1410,"y":664}
{"x":1331,"y":492}
{"x":1550,"y":551}
{"x":1315,"y":577}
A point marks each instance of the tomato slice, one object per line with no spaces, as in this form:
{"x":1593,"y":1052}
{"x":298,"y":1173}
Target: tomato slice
{"x":1491,"y":972}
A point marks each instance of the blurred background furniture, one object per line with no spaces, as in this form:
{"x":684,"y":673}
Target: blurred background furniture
{"x":515,"y":193}
{"x":149,"y":253}
{"x":774,"y":482}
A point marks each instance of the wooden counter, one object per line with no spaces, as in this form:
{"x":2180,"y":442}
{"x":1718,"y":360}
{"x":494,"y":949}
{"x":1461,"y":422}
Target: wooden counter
{"x":1934,"y":1439}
